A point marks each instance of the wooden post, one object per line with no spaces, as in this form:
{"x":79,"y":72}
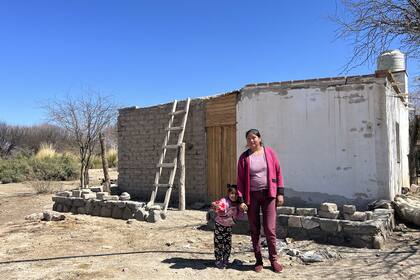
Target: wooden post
{"x":181,"y":191}
{"x":107,"y":181}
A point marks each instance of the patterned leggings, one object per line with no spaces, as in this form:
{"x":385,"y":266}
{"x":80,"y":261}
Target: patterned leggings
{"x":222,"y":242}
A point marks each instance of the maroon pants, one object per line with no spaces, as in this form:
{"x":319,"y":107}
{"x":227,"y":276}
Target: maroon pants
{"x":260,"y":200}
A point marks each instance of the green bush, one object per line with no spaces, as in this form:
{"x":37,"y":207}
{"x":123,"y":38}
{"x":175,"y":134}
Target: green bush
{"x":15,"y":170}
{"x":95,"y":162}
{"x":24,"y":167}
{"x":56,"y":168}
{"x":112,"y":157}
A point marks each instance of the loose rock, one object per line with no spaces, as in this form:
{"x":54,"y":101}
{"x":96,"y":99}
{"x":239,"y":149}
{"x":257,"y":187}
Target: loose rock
{"x":52,"y":216}
{"x":328,"y":207}
{"x":34,"y":217}
{"x":349,"y":209}
{"x":125,"y":196}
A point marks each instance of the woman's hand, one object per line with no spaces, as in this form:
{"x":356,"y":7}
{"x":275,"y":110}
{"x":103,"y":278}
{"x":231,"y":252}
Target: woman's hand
{"x":280,"y":200}
{"x":243,"y":207}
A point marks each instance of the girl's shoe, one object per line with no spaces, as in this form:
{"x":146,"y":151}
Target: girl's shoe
{"x":220,"y":264}
{"x":225,"y":263}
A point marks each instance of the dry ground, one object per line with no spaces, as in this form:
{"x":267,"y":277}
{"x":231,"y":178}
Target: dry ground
{"x":85,"y":247}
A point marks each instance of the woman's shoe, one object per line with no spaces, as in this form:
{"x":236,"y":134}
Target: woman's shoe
{"x":277,"y":267}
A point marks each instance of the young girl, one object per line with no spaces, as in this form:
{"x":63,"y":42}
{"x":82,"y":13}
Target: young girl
{"x":227,"y":211}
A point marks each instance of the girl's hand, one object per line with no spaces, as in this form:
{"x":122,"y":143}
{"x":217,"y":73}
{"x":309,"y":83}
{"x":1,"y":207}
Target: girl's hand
{"x":279,"y":200}
{"x":243,"y":207}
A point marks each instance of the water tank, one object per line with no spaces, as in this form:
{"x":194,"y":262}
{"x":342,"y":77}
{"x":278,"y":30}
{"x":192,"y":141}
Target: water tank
{"x":391,"y":60}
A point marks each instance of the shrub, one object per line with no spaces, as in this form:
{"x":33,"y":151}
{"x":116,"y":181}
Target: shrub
{"x":15,"y":170}
{"x":96,"y":162}
{"x":45,"y":187}
{"x":112,"y":157}
{"x":61,"y":167}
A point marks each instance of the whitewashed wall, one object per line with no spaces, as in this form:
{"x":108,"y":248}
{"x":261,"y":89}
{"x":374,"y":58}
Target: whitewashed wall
{"x":397,"y":112}
{"x":331,"y":137}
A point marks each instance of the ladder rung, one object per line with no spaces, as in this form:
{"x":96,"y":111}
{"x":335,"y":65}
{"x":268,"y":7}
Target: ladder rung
{"x":163,"y":185}
{"x":175,"y":128}
{"x":170,"y":147}
{"x":177,"y":112}
{"x":166,"y":164}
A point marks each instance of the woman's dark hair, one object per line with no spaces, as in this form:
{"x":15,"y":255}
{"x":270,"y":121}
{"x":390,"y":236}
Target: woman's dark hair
{"x":253,"y":131}
{"x":231,"y":187}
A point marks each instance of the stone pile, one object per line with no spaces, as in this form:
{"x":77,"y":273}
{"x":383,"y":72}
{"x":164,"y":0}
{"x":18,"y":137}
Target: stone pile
{"x":408,"y":208}
{"x":94,"y":201}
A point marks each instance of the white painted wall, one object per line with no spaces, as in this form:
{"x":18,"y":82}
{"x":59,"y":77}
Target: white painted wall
{"x":399,"y":170}
{"x":332,"y":141}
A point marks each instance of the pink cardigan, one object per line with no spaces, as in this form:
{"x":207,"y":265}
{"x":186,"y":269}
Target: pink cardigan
{"x":274,"y":177}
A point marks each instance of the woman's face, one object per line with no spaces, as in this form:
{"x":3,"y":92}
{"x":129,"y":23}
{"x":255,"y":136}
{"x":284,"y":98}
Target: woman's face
{"x":253,"y":141}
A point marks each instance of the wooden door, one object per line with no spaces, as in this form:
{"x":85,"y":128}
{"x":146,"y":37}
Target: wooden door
{"x":221,"y":144}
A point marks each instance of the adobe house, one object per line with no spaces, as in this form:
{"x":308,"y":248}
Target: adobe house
{"x":341,"y":139}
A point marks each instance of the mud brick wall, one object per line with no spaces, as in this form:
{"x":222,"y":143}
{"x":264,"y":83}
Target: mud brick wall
{"x":140,"y":137}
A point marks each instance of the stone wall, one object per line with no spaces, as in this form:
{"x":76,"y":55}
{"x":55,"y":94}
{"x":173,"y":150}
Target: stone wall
{"x":140,"y":137}
{"x":93,"y":201}
{"x":368,"y":229}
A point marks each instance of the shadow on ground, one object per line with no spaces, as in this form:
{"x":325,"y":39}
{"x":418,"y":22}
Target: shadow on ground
{"x":200,"y":264}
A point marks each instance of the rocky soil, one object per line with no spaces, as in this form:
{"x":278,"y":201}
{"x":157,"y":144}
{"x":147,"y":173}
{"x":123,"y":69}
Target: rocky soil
{"x":86,"y":247}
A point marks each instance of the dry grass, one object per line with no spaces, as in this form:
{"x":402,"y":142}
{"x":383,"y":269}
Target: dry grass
{"x":45,"y":150}
{"x":46,"y":187}
{"x":112,"y":155}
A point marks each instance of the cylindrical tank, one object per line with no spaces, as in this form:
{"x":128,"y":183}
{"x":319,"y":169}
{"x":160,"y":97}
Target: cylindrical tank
{"x":391,"y":60}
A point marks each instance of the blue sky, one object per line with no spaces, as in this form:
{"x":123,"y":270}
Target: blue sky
{"x":148,"y":52}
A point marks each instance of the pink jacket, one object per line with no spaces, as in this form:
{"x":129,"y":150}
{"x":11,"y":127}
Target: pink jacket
{"x":274,"y":177}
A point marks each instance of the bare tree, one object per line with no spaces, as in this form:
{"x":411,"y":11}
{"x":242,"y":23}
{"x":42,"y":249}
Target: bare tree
{"x":374,"y":25}
{"x":10,"y":139}
{"x":84,"y":118}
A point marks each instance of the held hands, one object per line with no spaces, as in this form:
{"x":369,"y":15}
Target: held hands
{"x":279,"y":200}
{"x":243,"y":207}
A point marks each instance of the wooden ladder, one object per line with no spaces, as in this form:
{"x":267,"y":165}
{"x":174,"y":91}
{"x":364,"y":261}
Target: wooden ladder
{"x":172,"y":164}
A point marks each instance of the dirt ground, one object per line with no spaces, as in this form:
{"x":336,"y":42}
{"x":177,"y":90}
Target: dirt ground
{"x":86,"y":247}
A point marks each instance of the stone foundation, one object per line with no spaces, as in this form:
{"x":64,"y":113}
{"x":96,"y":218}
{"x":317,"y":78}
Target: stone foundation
{"x":367,"y":233}
{"x":95,"y":202}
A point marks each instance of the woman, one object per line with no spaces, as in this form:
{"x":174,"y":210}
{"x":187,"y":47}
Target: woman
{"x":260,"y":186}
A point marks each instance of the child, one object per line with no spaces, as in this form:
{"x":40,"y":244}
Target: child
{"x":227,"y":211}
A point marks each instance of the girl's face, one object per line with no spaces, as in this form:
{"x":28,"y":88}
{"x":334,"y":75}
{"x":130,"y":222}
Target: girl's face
{"x":232,"y":195}
{"x":253,"y":141}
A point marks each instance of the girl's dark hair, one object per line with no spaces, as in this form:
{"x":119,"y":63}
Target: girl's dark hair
{"x":253,"y":131}
{"x":231,"y":187}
